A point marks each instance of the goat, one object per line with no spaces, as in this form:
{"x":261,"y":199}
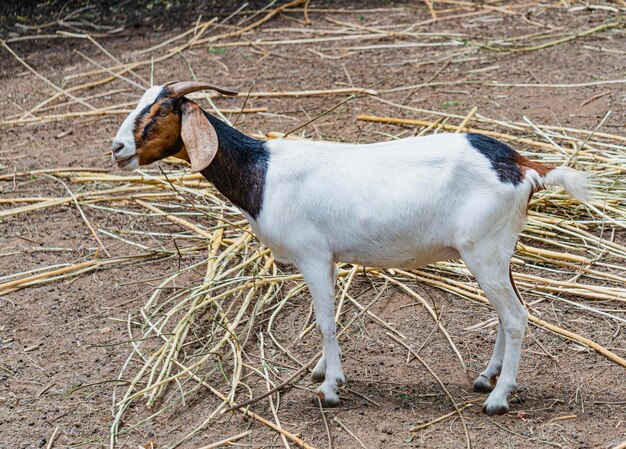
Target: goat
{"x":404,"y":203}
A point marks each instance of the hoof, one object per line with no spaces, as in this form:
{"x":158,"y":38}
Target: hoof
{"x":495,"y":409}
{"x":318,"y":377}
{"x":327,"y":402}
{"x":482,"y":384}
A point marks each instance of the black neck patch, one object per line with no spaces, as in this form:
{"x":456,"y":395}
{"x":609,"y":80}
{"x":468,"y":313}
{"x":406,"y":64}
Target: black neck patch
{"x":503,"y":158}
{"x":239,"y":167}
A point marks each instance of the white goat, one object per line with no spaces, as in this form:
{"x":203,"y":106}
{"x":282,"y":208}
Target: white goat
{"x":404,"y":203}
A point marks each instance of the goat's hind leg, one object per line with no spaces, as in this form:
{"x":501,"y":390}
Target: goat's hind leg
{"x":494,"y":279}
{"x":486,"y":381}
{"x":318,"y":374}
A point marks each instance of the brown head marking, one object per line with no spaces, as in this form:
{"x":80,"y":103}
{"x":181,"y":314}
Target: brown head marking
{"x":153,"y":130}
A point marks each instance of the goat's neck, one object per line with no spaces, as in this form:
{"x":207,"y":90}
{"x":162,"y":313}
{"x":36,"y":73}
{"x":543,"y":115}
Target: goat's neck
{"x":238,"y":168}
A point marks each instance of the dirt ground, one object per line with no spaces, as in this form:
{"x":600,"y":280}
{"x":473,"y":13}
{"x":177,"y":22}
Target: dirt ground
{"x":61,"y":335}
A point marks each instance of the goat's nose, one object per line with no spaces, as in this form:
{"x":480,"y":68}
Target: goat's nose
{"x":117,"y":147}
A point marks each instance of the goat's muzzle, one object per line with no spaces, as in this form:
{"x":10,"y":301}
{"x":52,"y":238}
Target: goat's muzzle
{"x":123,"y":156}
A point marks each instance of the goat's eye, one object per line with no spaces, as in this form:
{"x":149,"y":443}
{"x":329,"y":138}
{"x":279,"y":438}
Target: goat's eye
{"x":162,"y":113}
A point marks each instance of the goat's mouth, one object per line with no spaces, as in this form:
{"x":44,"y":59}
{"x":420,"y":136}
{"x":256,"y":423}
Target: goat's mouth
{"x":123,"y":163}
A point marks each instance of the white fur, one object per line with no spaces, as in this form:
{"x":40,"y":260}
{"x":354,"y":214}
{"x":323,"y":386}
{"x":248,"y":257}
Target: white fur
{"x":125,"y":134}
{"x":404,"y":203}
{"x":575,"y":182}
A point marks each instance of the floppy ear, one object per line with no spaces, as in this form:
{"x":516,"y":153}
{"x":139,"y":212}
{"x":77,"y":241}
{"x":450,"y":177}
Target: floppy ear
{"x":198,"y":135}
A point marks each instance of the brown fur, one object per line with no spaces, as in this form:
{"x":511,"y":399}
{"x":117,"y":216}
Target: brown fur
{"x":515,"y":286}
{"x":526,"y":164}
{"x":163,"y":135}
{"x":182,"y":154}
{"x":159,"y":136}
{"x":176,"y":126}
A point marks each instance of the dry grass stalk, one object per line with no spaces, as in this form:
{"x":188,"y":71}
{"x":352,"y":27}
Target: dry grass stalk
{"x":239,"y":270}
{"x":468,"y":442}
{"x":468,"y":292}
{"x":517,"y":126}
{"x":593,"y":30}
{"x":297,"y":440}
{"x":176,"y":220}
{"x":203,"y":336}
{"x":620,"y":446}
{"x":227,"y":441}
{"x":439,"y":419}
{"x":456,"y":128}
{"x":29,"y":279}
{"x":51,"y":170}
{"x":44,"y":79}
{"x":174,"y":39}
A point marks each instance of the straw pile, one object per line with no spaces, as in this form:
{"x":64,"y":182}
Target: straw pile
{"x":208,"y":333}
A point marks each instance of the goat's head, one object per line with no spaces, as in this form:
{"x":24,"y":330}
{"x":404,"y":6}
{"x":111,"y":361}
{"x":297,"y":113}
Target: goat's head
{"x":165,"y":123}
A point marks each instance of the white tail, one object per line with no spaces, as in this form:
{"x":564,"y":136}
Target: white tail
{"x":575,"y":182}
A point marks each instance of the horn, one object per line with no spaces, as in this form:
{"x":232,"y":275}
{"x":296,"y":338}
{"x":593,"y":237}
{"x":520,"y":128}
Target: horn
{"x":179,"y":89}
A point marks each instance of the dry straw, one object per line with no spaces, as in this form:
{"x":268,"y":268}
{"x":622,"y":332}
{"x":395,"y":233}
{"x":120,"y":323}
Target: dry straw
{"x":213,"y":333}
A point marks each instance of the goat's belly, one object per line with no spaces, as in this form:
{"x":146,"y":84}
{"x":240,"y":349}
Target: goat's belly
{"x":399,"y":259}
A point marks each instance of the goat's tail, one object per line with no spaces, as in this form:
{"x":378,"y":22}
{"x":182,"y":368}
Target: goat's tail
{"x":575,"y":182}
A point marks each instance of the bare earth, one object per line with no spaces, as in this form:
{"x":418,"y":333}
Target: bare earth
{"x":73,"y":332}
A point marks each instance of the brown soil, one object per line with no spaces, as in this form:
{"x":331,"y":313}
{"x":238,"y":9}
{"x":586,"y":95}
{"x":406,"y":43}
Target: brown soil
{"x":51,"y":336}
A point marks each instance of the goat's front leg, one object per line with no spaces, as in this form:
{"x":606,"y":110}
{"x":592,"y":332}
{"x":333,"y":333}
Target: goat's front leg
{"x":320,"y":278}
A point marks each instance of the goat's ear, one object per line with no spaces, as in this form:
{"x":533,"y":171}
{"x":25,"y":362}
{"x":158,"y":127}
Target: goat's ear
{"x":198,"y":135}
